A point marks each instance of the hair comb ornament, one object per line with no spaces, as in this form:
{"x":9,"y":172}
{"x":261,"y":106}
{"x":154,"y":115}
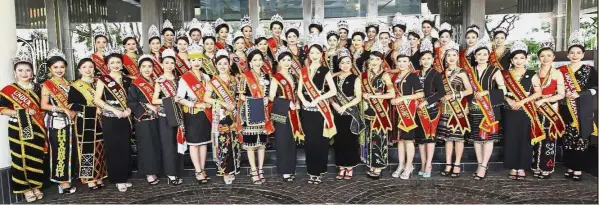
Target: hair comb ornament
{"x":398,"y":20}
{"x":167,"y":24}
{"x":277,"y":18}
{"x":113,"y":50}
{"x":426,"y":45}
{"x":282,"y":49}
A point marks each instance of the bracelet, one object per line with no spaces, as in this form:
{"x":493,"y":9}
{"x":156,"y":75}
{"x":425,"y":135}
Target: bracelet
{"x":191,"y":104}
{"x":54,"y":108}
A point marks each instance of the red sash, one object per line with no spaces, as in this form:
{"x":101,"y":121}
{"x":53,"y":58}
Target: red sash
{"x":438,"y":63}
{"x":572,"y":86}
{"x":267,"y":67}
{"x":323,"y":106}
{"x":59,"y":95}
{"x":158,"y":71}
{"x":254,"y":87}
{"x":382,"y":124}
{"x":241,"y":64}
{"x":170,"y":90}
{"x":100,"y":65}
{"x":296,"y":66}
{"x":494,"y":60}
{"x":130,"y":65}
{"x":429,"y":126}
{"x":219,"y":45}
{"x":225,"y":94}
{"x":22,"y":99}
{"x":464,"y":63}
{"x":198,"y":89}
{"x":557,"y":126}
{"x":117,"y":91}
{"x":273,"y":44}
{"x":296,"y":126}
{"x":488,"y":125}
{"x":537,"y":133}
{"x":458,"y":121}
{"x":146,"y":88}
{"x":248,"y":43}
{"x":181,"y":65}
{"x":406,"y":110}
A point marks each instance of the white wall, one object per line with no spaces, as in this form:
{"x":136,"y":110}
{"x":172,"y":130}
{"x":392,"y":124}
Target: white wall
{"x":9,"y":36}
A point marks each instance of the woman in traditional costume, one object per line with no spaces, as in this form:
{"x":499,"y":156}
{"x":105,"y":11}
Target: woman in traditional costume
{"x":372,"y":31}
{"x":276,"y":27}
{"x":484,"y":106}
{"x":59,"y":123}
{"x":285,"y":116}
{"x":197,"y":114}
{"x":209,"y":65}
{"x":168,"y":34}
{"x":130,"y":57}
{"x":316,"y":116}
{"x":408,"y":92}
{"x":262,"y":44}
{"x":500,"y":56}
{"x":453,"y":124}
{"x":20,"y":101}
{"x":385,"y":39}
{"x":347,"y":115}
{"x":298,"y":54}
{"x":553,"y":90}
{"x":414,"y":36}
{"x":428,"y":111}
{"x":100,"y":42}
{"x":111,"y":97}
{"x":154,"y":42}
{"x":399,"y":30}
{"x":343,"y":30}
{"x":90,"y":141}
{"x":577,"y":108}
{"x":223,"y":95}
{"x":331,"y":53}
{"x":222,"y":31}
{"x":147,"y":134}
{"x":195,"y":32}
{"x":181,"y":59}
{"x":466,"y":56}
{"x":445,"y":37}
{"x":359,"y":55}
{"x":246,"y":29}
{"x":238,"y":58}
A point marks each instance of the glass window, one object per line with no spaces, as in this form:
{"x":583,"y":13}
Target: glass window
{"x":288,"y":9}
{"x":345,"y":8}
{"x":390,"y":7}
{"x":229,"y":10}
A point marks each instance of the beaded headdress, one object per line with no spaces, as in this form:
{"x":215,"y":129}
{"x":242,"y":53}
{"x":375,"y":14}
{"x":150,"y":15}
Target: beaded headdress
{"x":23,"y":56}
{"x":113,"y":50}
{"x":167,"y":25}
{"x":500,"y":30}
{"x":277,"y":18}
{"x":484,"y":42}
{"x":316,"y":20}
{"x":168,"y":53}
{"x":221,"y":52}
{"x":219,"y":22}
{"x":343,"y":25}
{"x":426,"y":45}
{"x":547,"y":42}
{"x":445,"y":27}
{"x":195,"y":49}
{"x":153,"y":32}
{"x":383,"y":28}
{"x":404,"y":49}
{"x":181,"y":33}
{"x":377,"y":47}
{"x":100,"y":32}
{"x":145,"y":56}
{"x":245,"y":21}
{"x":195,"y":24}
{"x":416,"y":29}
{"x":208,"y":31}
{"x":452,"y":45}
{"x":55,"y":52}
{"x":281,"y":50}
{"x":372,"y":21}
{"x":250,"y":50}
{"x":315,"y":40}
{"x":397,"y":20}
{"x":343,"y":52}
{"x":473,"y":29}
{"x":576,"y":39}
{"x":519,"y":46}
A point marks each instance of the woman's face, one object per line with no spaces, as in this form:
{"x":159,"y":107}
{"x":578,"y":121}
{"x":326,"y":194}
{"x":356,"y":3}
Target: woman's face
{"x":196,"y":36}
{"x":546,"y":57}
{"x":291,"y":38}
{"x":452,"y":57}
{"x":499,"y":39}
{"x":333,"y":41}
{"x":256,"y":62}
{"x":223,"y":66}
{"x":445,"y":38}
{"x":357,"y":41}
{"x":155,"y":45}
{"x":575,"y":54}
{"x":247,"y":32}
{"x":146,"y":68}
{"x":115,"y":64}
{"x":168,"y":64}
{"x":23,"y":72}
{"x":87,"y":69}
{"x":223,"y":33}
{"x":285,"y":62}
{"x":385,"y":38}
{"x":374,"y":62}
{"x":403,"y":63}
{"x":426,"y":60}
{"x":196,"y":63}
{"x":414,"y":42}
{"x":371,"y":33}
{"x":482,"y":56}
{"x":169,"y":36}
{"x":263,"y":46}
{"x":471,"y":39}
{"x":131,"y":45}
{"x":315,"y":54}
{"x":342,"y":34}
{"x":398,"y":32}
{"x":427,"y":29}
{"x":182,"y":46}
{"x":345,"y":64}
{"x":58,"y":69}
{"x":314,"y":30}
{"x":276,"y":30}
{"x":100,"y":43}
{"x":209,"y":45}
{"x":240,"y":44}
{"x":519,"y":60}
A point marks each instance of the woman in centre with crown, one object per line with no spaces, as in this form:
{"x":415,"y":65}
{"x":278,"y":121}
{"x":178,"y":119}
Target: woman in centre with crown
{"x":222,"y":30}
{"x":155,"y":53}
{"x":181,"y":58}
{"x":298,"y":55}
{"x":359,"y":54}
{"x":276,"y":27}
{"x":209,"y":63}
{"x":100,"y":45}
{"x":238,"y":58}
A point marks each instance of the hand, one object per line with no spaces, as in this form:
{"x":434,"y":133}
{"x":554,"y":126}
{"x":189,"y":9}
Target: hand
{"x":481,"y":94}
{"x":366,"y":96}
{"x":291,"y":105}
{"x":199,"y":105}
{"x":176,"y":99}
{"x":31,"y":112}
{"x":70,"y":113}
{"x":394,"y":101}
{"x":422,"y":105}
{"x":573,"y":95}
{"x":229,"y":107}
{"x":540,"y":102}
{"x":127,"y":112}
{"x":119,"y":113}
{"x":341,"y":109}
{"x":153,"y":108}
{"x":447,"y":98}
{"x":517,"y":105}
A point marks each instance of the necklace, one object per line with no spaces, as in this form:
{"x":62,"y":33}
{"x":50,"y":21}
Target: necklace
{"x":26,"y":87}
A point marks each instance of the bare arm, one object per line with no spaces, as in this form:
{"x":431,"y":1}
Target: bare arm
{"x":155,"y":99}
{"x":332,"y":88}
{"x":273,"y":89}
{"x":390,"y":89}
{"x":358,"y":94}
{"x":98,"y":98}
{"x":467,"y":86}
{"x":498,"y":78}
{"x":561,"y":90}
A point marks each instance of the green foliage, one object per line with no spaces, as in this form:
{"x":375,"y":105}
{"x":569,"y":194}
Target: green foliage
{"x":533,"y":48}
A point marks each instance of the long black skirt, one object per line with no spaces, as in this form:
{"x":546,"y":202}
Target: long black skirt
{"x":517,"y":149}
{"x":117,"y":139}
{"x":347,"y":144}
{"x":285,"y":148}
{"x":149,"y":152}
{"x":172,"y":162}
{"x":197,"y":129}
{"x":316,"y":146}
{"x":63,"y":154}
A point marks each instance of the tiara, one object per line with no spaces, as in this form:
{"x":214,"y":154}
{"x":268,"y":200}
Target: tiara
{"x":314,"y":40}
{"x":127,"y":35}
{"x":546,"y":42}
{"x":333,"y":32}
{"x":290,"y":26}
{"x":221,"y":52}
{"x":316,"y":20}
{"x":250,"y":50}
{"x":397,"y":20}
{"x":145,"y":56}
{"x":415,"y":29}
{"x":195,"y":49}
{"x":426,"y":45}
{"x":84,"y":54}
{"x":360,"y":30}
{"x":342,"y":53}
{"x":168,"y":53}
{"x":519,"y":45}
{"x":377,"y":47}
{"x":113,"y":50}
{"x":452,"y":45}
{"x":208,"y":30}
{"x":445,"y":27}
{"x":383,"y":28}
{"x":404,"y":49}
{"x":195,"y":24}
{"x":245,"y":21}
{"x":281,"y":50}
{"x":100,"y":32}
{"x":259,"y":33}
{"x":167,"y":24}
{"x":277,"y":18}
{"x":181,"y":33}
{"x":23,"y":56}
{"x":500,"y":30}
{"x":219,"y":22}
{"x":576,"y":39}
{"x":237,"y":34}
{"x":55,"y":52}
{"x":428,"y":17}
{"x":372,"y":21}
{"x":153,"y":32}
{"x":482,"y":43}
{"x":343,"y":25}
{"x":473,"y":29}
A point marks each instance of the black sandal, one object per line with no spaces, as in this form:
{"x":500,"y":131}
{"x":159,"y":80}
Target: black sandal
{"x":483,"y":176}
{"x":174,"y":182}
{"x":155,"y":182}
{"x":261,"y":175}
{"x":576,"y":177}
{"x":288,"y":179}
{"x":341,"y":174}
{"x":513,"y":176}
{"x":447,"y":173}
{"x":199,"y":179}
{"x":254,"y":175}
{"x":317,"y":180}
{"x":376,"y":175}
{"x":455,"y":174}
{"x":569,"y":174}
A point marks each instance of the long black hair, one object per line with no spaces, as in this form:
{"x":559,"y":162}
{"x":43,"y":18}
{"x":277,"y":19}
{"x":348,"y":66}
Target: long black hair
{"x":112,"y":55}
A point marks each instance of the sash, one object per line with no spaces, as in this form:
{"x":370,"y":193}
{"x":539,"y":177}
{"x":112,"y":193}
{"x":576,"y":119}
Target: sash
{"x":256,"y":92}
{"x":59,"y":95}
{"x":115,"y":89}
{"x":464,"y":62}
{"x":209,"y":68}
{"x":557,"y":126}
{"x":146,"y":88}
{"x":219,"y":45}
{"x":248,"y":43}
{"x":406,"y":110}
{"x":458,"y":121}
{"x":537,"y":133}
{"x":323,"y":107}
{"x":198,"y":89}
{"x":158,"y":71}
{"x":100,"y":65}
{"x":267,"y":67}
{"x":296,"y":126}
{"x":20,"y":97}
{"x":241,"y":64}
{"x":489,"y":125}
{"x":223,"y":93}
{"x":382,"y":124}
{"x":181,"y":65}
{"x":171,"y":91}
{"x":296,"y":66}
{"x":273,"y":45}
{"x":130,"y":65}
{"x":437,"y":61}
{"x":494,"y":60}
{"x":571,"y":86}
{"x":86,"y":90}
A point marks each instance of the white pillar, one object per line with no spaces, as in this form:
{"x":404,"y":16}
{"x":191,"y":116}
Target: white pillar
{"x":558,"y":26}
{"x":372,"y":8}
{"x":149,"y":9}
{"x":9,"y":35}
{"x":307,"y":11}
{"x":254,"y":9}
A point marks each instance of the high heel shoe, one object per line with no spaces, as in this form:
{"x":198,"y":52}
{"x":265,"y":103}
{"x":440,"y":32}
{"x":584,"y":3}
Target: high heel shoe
{"x":122,"y":187}
{"x":477,"y":177}
{"x":447,"y":172}
{"x":38,"y":194}
{"x":261,"y":175}
{"x":349,"y":173}
{"x":29,"y":196}
{"x":340,"y":174}
{"x":376,"y":175}
{"x":92,"y":186}
{"x":229,"y":179}
{"x":200,"y":178}
{"x":175,"y":182}
{"x":397,"y":172}
{"x":454,"y":173}
{"x":255,"y":177}
{"x":569,"y":174}
{"x":68,"y":190}
{"x":407,"y":172}
{"x":153,"y":182}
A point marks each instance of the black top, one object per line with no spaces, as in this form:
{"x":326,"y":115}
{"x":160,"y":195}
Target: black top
{"x":235,"y":70}
{"x":347,"y":88}
{"x":432,"y":84}
{"x":415,"y":59}
{"x":77,"y":100}
{"x":389,"y":60}
{"x":332,"y":63}
{"x":111,"y":99}
{"x":487,"y":83}
{"x":410,"y":85}
{"x":136,"y":101}
{"x":360,"y":61}
{"x":319,"y":81}
{"x":505,"y":60}
{"x":586,"y":77}
{"x":280,"y":89}
{"x":263,"y":80}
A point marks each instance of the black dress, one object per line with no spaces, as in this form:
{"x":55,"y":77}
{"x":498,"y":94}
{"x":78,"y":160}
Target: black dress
{"x":415,"y":59}
{"x":316,"y":145}
{"x":172,"y":161}
{"x":408,"y":86}
{"x":444,"y":131}
{"x":376,"y":139}
{"x":432,"y":85}
{"x":517,"y":130}
{"x":347,"y":141}
{"x":285,"y":141}
{"x":361,"y":59}
{"x":253,"y":135}
{"x":475,"y":114}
